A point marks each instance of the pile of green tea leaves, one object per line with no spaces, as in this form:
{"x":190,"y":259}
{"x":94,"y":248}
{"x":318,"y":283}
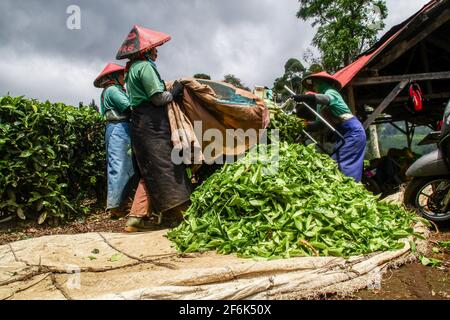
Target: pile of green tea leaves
{"x":289,"y":126}
{"x":302,"y":207}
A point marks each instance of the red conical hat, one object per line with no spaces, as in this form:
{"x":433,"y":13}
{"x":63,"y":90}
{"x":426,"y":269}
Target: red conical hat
{"x":307,"y":81}
{"x":139,"y":40}
{"x":109,"y":69}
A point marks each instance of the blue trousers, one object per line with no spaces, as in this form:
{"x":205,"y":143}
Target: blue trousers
{"x":350,"y":157}
{"x":120,"y":168}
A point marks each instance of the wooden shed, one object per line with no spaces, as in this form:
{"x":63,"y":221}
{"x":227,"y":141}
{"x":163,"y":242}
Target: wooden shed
{"x":415,"y":52}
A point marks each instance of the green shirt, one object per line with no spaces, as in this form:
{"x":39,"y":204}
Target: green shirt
{"x":337,"y":104}
{"x":143,"y":81}
{"x":114,"y":98}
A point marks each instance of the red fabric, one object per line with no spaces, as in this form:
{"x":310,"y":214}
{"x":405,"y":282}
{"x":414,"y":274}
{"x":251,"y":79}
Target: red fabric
{"x":141,"y":202}
{"x":109,"y":69}
{"x":140,"y":40}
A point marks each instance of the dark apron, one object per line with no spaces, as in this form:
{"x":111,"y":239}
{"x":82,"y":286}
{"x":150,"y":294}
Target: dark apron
{"x":167,"y":183}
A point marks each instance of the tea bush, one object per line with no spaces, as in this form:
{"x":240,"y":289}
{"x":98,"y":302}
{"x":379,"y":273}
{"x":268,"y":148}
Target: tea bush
{"x":52,"y":159}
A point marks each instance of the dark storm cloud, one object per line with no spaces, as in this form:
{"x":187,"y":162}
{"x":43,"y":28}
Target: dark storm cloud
{"x":41,"y":25}
{"x":251,"y":39}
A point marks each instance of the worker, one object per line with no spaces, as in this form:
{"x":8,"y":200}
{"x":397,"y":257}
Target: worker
{"x":115,"y":107}
{"x":331,"y":105}
{"x":167,"y":184}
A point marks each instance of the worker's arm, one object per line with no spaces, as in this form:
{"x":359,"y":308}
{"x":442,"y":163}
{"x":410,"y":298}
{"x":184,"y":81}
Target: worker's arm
{"x":162,"y":98}
{"x":313,"y":99}
{"x":119,"y":99}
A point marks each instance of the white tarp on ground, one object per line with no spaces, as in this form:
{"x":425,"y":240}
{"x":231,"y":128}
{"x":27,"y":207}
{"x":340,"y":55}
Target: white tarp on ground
{"x":145,"y":266}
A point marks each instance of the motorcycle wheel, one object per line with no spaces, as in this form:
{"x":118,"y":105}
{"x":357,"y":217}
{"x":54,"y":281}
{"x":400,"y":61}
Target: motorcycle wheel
{"x":427,"y":195}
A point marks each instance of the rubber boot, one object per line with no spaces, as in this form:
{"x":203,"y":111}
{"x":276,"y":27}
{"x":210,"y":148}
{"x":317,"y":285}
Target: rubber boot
{"x":135,"y":224}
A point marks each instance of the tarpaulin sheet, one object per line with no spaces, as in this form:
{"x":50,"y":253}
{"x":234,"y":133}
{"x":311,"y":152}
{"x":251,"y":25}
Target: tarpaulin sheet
{"x":218,"y":106}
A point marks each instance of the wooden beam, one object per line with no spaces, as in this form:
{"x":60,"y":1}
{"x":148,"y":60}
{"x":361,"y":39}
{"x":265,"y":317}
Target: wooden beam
{"x":386,"y":102}
{"x":398,"y":128}
{"x":409,"y":77}
{"x":405,"y":45}
{"x":371,"y":102}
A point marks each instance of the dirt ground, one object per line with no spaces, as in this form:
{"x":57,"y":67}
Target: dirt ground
{"x":412,"y":281}
{"x":415,"y":281}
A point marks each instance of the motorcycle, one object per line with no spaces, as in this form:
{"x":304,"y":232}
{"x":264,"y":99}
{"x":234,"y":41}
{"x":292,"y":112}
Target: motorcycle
{"x":429,"y":190}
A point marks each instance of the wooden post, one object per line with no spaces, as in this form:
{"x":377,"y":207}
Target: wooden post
{"x":373,"y":146}
{"x":408,"y":132}
{"x":394,"y":93}
{"x":351,"y":99}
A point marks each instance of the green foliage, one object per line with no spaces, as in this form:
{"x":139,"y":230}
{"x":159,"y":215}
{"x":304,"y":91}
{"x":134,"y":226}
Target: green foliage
{"x":52,"y":158}
{"x":314,"y":68}
{"x":289,"y":126}
{"x":293,"y":66}
{"x":390,"y":137}
{"x":231,"y":79}
{"x":431,"y":262}
{"x":345,"y":27}
{"x":202,"y":76}
{"x":293,"y":75}
{"x":444,"y":244}
{"x":300,"y":207}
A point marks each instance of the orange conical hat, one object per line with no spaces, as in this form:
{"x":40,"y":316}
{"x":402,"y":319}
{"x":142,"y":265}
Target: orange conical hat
{"x":307,"y":81}
{"x":139,"y":40}
{"x":109,"y":69}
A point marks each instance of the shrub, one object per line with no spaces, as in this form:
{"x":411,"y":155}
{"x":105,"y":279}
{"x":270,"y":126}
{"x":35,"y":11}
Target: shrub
{"x":52,"y":158}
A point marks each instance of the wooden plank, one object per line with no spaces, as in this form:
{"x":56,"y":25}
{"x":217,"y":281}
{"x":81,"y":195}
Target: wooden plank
{"x":405,"y":45}
{"x":397,"y":78}
{"x":371,"y":102}
{"x":386,"y":102}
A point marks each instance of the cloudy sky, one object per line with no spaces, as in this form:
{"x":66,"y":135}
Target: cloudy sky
{"x":42,"y":58}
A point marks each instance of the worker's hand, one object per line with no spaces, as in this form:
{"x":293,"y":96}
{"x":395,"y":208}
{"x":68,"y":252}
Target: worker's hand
{"x":308,"y":98}
{"x":177,"y":90}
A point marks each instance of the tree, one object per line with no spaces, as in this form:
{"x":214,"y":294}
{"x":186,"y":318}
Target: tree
{"x":231,"y":79}
{"x":345,"y":27}
{"x":293,"y":74}
{"x":93,"y":105}
{"x":202,"y":76}
{"x":314,"y":68}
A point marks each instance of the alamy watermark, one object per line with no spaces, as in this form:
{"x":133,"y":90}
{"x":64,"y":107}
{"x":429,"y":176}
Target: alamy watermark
{"x":74,"y":280}
{"x":374,"y":279}
{"x":214,"y":146}
{"x":73,"y":21}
